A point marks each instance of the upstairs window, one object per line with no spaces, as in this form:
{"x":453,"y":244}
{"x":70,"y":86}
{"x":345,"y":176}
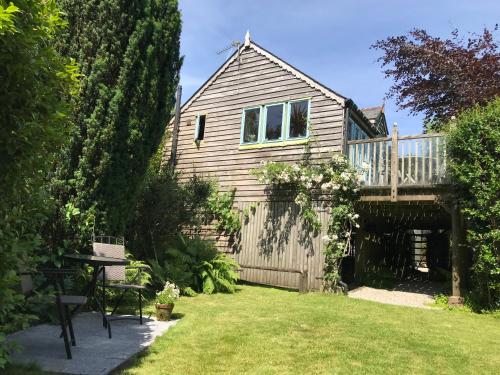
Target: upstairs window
{"x":354,"y":131}
{"x":251,"y":121}
{"x":298,"y":115}
{"x":199,"y":132}
{"x":274,"y":122}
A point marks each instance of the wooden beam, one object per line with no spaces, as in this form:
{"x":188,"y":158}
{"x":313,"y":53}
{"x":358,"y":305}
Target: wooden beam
{"x":400,"y":198}
{"x":457,"y":256}
{"x":394,"y":164}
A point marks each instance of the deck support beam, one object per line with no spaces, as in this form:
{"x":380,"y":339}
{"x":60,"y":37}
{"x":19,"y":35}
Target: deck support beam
{"x":394,"y":163}
{"x":457,"y":256}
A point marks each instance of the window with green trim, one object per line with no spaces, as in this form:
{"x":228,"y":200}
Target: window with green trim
{"x":251,"y":124}
{"x":275,"y":122}
{"x":299,"y":113}
{"x":354,"y":131}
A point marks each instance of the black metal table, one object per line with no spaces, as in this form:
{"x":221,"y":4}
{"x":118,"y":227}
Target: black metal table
{"x":98,"y":265}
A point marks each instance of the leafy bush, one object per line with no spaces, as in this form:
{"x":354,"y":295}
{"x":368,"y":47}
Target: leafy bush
{"x":195,"y":264}
{"x":220,"y":207}
{"x":474,"y":153}
{"x":35,"y":81}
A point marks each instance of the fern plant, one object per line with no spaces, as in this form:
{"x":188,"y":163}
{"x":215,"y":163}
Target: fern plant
{"x":217,"y":275}
{"x":195,"y":264}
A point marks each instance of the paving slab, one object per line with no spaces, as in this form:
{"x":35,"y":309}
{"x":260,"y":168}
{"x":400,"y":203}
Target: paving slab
{"x":94,"y":353}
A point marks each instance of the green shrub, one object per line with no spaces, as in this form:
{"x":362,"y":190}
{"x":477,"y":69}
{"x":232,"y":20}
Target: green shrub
{"x":164,"y":207}
{"x":474,"y":153}
{"x":195,"y":265}
{"x":35,"y":81}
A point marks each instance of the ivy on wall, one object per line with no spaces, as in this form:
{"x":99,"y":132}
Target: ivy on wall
{"x":220,"y":208}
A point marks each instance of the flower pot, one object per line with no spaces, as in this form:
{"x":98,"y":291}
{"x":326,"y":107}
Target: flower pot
{"x":164,"y":311}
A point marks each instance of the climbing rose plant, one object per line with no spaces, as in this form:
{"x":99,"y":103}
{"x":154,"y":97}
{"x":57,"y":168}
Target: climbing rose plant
{"x":335,"y":185}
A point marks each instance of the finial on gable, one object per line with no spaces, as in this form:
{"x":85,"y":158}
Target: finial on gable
{"x":247,"y":39}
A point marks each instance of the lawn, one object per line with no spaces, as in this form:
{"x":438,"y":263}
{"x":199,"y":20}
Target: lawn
{"x":271,"y":331}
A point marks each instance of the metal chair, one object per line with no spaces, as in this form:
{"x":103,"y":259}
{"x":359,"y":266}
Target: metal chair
{"x":63,"y":300}
{"x":115,"y":276}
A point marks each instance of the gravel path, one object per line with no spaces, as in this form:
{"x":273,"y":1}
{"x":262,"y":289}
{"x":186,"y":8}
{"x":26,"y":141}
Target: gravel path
{"x":410,"y":293}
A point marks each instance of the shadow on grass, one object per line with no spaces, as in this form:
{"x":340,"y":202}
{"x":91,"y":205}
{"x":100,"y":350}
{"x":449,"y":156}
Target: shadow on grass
{"x":285,"y":289}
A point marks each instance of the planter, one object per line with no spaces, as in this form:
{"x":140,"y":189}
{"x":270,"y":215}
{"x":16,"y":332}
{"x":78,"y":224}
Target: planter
{"x":164,"y":311}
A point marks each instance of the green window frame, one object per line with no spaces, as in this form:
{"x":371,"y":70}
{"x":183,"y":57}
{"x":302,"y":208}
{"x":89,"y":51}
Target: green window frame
{"x":264,"y":122}
{"x":243,"y":121}
{"x":261,"y":136}
{"x":289,"y":117}
{"x":354,"y":131}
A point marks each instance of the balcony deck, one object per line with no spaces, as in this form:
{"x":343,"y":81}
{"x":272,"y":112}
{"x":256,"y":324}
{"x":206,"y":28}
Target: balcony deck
{"x":407,"y":168}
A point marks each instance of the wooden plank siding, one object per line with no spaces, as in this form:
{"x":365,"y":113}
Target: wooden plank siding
{"x":271,"y":247}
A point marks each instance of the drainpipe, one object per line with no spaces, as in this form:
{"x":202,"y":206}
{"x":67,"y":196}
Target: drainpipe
{"x":175,"y":131}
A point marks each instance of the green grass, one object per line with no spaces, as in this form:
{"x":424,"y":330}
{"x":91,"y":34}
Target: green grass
{"x":270,"y":331}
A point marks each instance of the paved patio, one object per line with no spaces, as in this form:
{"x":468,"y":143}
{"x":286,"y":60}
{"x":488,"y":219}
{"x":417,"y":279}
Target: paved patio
{"x":94,"y":353}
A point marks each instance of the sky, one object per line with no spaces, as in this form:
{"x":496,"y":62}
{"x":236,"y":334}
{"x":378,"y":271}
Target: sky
{"x":327,"y":39}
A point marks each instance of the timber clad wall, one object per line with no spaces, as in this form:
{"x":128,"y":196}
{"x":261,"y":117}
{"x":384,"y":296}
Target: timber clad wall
{"x":254,"y":80}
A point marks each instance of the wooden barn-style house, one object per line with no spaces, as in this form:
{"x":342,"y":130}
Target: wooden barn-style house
{"x":241,"y":116}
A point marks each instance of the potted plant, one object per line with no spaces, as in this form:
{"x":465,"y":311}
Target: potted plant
{"x":165,"y":300}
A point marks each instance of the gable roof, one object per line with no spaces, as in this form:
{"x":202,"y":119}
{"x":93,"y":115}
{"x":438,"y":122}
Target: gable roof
{"x":376,"y":116}
{"x":273,"y":58}
{"x":372,"y":113}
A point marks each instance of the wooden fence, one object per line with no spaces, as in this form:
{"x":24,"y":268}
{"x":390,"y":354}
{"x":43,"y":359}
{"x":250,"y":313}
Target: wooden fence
{"x":275,"y":248}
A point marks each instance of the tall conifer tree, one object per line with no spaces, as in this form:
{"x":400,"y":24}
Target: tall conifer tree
{"x":128,"y":53}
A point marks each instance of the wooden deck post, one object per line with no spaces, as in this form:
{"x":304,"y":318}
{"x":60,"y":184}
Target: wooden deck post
{"x":457,"y":255}
{"x":394,"y":163}
{"x":303,"y":284}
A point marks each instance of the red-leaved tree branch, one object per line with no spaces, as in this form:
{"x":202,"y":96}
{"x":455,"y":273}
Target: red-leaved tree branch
{"x":440,"y":78}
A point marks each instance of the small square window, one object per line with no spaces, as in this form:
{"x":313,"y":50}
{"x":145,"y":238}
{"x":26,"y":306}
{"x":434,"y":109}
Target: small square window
{"x":298,"y":119}
{"x":200,"y":127}
{"x":251,"y":118}
{"x":274,"y":122}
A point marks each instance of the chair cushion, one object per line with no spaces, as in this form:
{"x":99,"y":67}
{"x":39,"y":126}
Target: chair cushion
{"x":125,"y":286}
{"x":73,"y":300}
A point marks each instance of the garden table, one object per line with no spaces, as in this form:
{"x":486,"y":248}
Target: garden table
{"x":98,"y":264}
